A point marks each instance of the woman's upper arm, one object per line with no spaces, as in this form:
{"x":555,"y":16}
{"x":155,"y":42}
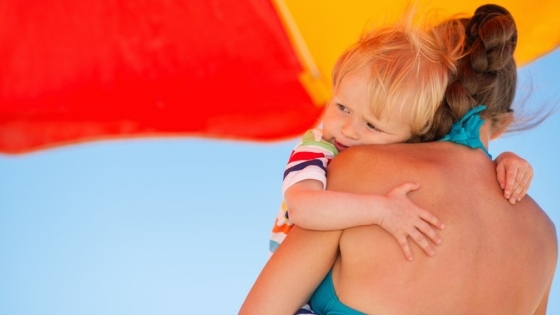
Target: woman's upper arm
{"x":293,"y":272}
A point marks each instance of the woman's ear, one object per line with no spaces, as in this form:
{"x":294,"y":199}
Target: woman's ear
{"x":501,"y":124}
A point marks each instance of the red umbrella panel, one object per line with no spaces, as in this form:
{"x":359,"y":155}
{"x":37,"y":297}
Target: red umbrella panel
{"x":75,"y":71}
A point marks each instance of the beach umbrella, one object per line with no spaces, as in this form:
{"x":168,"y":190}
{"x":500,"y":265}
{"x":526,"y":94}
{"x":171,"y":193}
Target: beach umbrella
{"x":258,"y":70}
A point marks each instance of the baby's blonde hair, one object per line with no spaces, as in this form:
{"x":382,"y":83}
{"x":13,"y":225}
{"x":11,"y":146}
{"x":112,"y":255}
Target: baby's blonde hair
{"x":410,"y":66}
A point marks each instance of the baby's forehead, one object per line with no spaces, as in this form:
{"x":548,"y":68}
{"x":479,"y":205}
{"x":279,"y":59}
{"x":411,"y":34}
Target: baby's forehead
{"x":388,"y":107}
{"x":394,"y":114}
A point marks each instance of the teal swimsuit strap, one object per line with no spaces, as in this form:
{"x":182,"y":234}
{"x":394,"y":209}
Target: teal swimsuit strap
{"x":466,"y":131}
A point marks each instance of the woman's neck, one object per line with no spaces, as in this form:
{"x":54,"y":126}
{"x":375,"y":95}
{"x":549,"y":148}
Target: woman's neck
{"x":485,"y":132}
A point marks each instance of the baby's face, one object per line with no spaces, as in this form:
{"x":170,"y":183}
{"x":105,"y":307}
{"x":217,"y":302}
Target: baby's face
{"x":348,"y":120}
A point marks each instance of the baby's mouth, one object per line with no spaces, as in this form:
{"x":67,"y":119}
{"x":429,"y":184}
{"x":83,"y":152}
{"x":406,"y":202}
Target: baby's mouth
{"x":340,"y":147}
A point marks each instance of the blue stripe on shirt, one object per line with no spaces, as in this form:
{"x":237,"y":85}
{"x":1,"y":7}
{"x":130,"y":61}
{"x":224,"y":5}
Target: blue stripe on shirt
{"x":303,"y":165}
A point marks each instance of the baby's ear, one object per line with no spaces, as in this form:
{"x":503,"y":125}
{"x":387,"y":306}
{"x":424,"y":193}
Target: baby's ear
{"x":500,"y":124}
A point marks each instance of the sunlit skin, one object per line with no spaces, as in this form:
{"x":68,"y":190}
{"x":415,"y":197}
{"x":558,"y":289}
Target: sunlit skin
{"x":348,"y":120}
{"x":356,"y":118}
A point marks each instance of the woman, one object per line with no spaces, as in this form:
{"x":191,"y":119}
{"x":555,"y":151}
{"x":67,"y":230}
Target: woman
{"x":496,"y":258}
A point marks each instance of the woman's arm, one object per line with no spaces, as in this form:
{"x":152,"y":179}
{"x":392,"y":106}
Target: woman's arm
{"x":294,"y":271}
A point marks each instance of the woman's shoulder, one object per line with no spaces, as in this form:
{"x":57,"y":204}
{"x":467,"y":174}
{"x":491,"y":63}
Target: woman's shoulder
{"x":386,"y":166}
{"x":437,"y":164}
{"x":397,"y":155}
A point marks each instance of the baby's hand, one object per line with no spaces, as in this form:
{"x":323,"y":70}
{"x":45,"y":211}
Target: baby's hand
{"x":514,"y":175}
{"x":403,"y":218}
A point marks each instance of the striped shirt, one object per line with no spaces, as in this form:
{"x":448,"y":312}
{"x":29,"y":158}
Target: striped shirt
{"x":308,"y":160}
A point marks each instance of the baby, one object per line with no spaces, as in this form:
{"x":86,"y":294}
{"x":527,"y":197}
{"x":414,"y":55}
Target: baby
{"x":386,"y":89}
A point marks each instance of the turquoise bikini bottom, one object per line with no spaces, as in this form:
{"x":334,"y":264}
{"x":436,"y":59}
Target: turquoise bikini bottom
{"x":325,"y":302}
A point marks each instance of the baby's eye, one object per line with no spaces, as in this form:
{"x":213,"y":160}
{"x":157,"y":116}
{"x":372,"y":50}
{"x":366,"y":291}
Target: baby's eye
{"x":372,"y":127}
{"x":342,"y":108}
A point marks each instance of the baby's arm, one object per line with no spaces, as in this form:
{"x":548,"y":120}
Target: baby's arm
{"x":311,"y":207}
{"x":514,"y":175}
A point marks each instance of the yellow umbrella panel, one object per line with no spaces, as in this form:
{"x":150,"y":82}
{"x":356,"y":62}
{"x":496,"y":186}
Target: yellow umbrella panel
{"x":322,"y":29}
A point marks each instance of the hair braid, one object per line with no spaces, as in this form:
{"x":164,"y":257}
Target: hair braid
{"x":486,"y":74}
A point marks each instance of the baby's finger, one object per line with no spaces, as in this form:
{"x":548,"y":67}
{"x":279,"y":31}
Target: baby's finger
{"x":516,"y":195}
{"x":427,"y":230}
{"x":406,"y":187}
{"x":511,"y":178}
{"x":403,"y":242}
{"x":521,"y":190}
{"x":520,"y":180}
{"x":421,"y":240}
{"x":430,"y":218}
{"x":512,"y":196}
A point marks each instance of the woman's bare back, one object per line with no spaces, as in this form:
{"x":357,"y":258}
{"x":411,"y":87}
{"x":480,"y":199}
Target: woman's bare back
{"x":495,"y":258}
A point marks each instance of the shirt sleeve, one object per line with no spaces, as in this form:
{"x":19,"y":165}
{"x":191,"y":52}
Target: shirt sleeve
{"x":309,"y":160}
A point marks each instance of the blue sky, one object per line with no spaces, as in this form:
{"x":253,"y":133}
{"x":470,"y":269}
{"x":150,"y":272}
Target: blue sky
{"x":178,"y":226}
